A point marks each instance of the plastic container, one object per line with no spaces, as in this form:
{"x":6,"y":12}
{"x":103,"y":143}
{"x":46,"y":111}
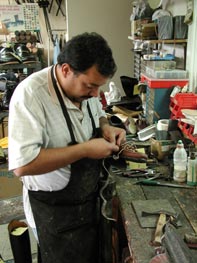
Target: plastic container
{"x":147,"y":132}
{"x":192,"y":169}
{"x":163,"y":83}
{"x":180,"y":162}
{"x":167,"y":74}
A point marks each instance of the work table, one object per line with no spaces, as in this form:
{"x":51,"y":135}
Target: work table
{"x":183,"y":201}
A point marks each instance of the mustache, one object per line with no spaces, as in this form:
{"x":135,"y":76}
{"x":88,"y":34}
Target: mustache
{"x":79,"y":99}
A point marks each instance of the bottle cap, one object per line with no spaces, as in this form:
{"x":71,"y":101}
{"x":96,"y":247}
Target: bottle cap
{"x":179,"y":143}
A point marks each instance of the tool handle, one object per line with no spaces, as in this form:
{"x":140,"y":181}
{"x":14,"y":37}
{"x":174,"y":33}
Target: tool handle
{"x":149,"y":182}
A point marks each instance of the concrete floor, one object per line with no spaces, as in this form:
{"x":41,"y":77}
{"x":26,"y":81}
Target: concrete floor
{"x":5,"y":247}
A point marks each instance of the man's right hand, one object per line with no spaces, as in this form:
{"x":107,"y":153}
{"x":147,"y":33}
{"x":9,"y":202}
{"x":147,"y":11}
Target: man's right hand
{"x":99,"y":148}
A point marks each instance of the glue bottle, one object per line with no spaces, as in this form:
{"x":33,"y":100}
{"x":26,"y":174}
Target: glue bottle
{"x":192,"y":169}
{"x":180,"y":162}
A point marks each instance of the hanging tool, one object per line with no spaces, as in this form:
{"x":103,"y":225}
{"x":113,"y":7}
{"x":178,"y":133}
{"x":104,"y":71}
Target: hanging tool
{"x":44,"y":4}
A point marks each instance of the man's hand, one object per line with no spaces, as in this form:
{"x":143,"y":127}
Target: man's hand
{"x":99,"y":148}
{"x":114,"y":134}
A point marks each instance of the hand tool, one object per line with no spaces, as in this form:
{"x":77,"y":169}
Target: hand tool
{"x":164,"y":217}
{"x":156,"y":176}
{"x":157,"y":183}
{"x":138,"y":173}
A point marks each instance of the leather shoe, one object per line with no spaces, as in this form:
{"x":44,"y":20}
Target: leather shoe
{"x":25,"y":55}
{"x":116,"y":122}
{"x":129,"y":151}
{"x":7,"y":56}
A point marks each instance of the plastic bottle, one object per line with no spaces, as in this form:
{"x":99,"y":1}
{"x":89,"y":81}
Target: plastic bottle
{"x":180,"y":162}
{"x":192,"y":169}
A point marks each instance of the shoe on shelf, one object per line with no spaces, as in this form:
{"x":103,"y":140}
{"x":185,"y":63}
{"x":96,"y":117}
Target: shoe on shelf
{"x":25,"y":55}
{"x":116,"y":122}
{"x":7,"y":56}
{"x":129,"y":151}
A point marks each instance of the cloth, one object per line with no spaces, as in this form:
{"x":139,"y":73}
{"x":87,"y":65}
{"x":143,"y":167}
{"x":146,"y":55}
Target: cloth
{"x":35,"y":111}
{"x":56,"y":50}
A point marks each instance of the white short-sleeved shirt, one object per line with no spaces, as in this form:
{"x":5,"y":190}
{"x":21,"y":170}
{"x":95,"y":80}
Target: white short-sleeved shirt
{"x":36,"y":121}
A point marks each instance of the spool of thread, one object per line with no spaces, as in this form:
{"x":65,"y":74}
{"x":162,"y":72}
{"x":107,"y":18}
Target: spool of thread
{"x":162,"y":125}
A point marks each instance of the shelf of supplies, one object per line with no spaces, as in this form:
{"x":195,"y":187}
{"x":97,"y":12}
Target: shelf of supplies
{"x":31,"y":65}
{"x":164,"y":41}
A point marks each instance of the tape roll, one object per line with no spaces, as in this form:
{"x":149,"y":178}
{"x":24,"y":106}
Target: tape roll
{"x":162,"y":125}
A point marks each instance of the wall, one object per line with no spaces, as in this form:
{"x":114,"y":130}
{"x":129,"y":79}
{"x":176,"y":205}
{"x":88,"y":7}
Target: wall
{"x":109,"y":18}
{"x":191,"y":63}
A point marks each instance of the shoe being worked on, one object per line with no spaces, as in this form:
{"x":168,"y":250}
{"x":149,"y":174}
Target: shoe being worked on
{"x":129,"y":151}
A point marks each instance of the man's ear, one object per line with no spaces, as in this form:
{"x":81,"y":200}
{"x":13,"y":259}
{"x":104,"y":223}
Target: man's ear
{"x":66,"y":69}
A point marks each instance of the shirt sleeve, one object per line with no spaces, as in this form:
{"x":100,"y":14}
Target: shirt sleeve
{"x":25,"y":123}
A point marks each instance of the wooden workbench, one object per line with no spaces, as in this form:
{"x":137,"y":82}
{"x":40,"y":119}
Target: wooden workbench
{"x":183,"y":201}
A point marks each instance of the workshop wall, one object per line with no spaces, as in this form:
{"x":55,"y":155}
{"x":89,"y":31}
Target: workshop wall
{"x":109,"y":18}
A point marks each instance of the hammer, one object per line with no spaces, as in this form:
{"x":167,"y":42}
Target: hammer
{"x":164,"y":217}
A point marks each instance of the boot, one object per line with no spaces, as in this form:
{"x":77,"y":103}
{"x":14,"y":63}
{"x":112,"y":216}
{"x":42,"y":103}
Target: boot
{"x":20,"y":241}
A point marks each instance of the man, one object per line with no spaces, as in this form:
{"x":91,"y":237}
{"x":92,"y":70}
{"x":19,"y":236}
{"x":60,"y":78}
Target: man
{"x":55,"y":147}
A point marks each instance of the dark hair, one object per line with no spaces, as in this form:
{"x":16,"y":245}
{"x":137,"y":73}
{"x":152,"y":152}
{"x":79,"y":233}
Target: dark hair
{"x":88,"y":49}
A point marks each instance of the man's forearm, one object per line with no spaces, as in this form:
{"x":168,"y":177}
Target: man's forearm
{"x":103,"y":121}
{"x":51,"y":159}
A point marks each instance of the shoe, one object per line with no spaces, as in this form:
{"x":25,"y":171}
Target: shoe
{"x":7,"y":56}
{"x":25,"y":55}
{"x":129,"y":151}
{"x":116,"y":122}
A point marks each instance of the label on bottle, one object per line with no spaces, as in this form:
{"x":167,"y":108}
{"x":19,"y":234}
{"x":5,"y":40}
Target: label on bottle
{"x":179,"y":175}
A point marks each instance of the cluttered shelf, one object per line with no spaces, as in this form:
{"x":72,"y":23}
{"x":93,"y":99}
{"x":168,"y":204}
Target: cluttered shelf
{"x":29,"y":66}
{"x":162,"y":41}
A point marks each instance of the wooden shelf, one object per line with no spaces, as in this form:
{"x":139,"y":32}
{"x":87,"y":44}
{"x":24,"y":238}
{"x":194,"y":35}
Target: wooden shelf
{"x":33,"y":65}
{"x":157,"y":41}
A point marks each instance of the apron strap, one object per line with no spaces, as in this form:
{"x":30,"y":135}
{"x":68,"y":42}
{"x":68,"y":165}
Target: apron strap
{"x":64,"y":109}
{"x":92,"y":119}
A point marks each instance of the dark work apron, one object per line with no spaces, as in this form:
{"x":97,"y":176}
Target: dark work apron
{"x":67,"y":220}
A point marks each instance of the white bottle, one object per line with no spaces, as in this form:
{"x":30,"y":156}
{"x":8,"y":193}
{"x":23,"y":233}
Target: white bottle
{"x":180,"y":162}
{"x":192,"y":169}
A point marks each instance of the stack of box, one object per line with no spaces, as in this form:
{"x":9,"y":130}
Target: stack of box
{"x":158,"y":97}
{"x":182,"y":101}
{"x":163,"y":69}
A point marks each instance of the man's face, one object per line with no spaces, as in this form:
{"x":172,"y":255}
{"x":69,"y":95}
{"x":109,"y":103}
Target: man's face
{"x":81,"y":86}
